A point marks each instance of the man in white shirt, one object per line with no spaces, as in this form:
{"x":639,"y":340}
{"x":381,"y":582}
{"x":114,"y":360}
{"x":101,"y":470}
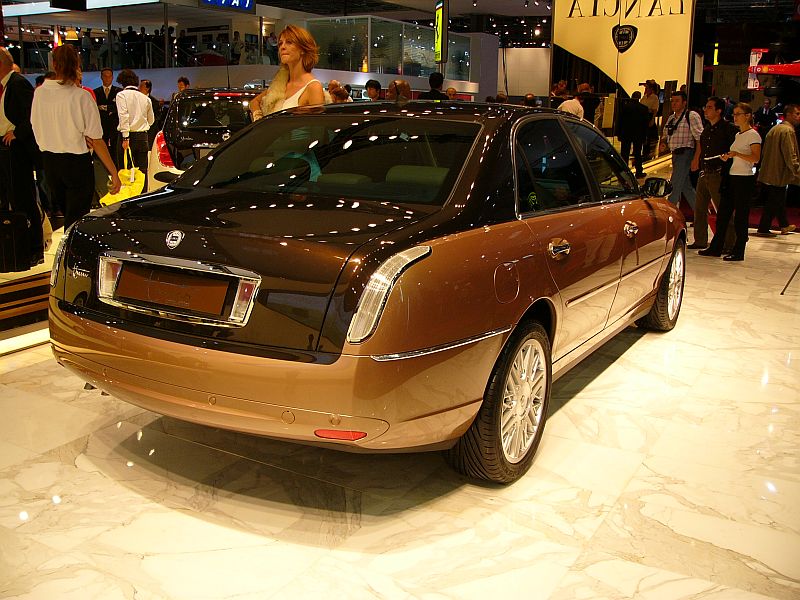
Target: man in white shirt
{"x":574,"y":105}
{"x":135,"y":113}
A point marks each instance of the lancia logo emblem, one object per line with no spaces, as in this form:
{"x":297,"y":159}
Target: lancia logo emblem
{"x":226,"y":135}
{"x":174,"y":238}
{"x":624,"y":36}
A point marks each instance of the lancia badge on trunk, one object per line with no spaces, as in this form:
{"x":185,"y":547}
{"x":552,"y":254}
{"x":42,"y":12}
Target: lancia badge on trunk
{"x":174,"y":238}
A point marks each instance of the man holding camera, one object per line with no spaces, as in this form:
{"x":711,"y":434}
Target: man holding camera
{"x":682,"y":134}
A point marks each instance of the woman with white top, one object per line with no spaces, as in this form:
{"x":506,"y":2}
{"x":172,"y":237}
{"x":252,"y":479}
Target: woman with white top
{"x":66,"y":123}
{"x":735,"y":199}
{"x":135,"y":118}
{"x":293,"y":84}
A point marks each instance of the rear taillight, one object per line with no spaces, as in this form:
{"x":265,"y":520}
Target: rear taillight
{"x":163,"y":152}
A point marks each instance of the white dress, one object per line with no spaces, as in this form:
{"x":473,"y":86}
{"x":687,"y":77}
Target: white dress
{"x":292,"y":100}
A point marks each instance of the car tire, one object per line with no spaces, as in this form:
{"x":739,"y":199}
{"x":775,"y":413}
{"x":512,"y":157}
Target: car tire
{"x":500,"y":444}
{"x":664,"y":313}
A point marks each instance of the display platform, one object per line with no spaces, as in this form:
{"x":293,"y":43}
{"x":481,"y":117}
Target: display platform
{"x":669,"y":468}
{"x":23,"y":294}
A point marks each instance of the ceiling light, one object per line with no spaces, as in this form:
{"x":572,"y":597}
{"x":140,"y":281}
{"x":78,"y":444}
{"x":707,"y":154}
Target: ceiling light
{"x":537,"y":31}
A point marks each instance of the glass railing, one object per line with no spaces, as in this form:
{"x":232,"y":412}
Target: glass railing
{"x":377,"y":45}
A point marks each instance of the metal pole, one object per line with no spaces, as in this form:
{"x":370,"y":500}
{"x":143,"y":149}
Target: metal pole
{"x":369,"y":44}
{"x":690,"y":58}
{"x":21,"y":45}
{"x":783,"y":291}
{"x":261,"y":40}
{"x":167,"y":57}
{"x":552,"y":51}
{"x":110,"y":53}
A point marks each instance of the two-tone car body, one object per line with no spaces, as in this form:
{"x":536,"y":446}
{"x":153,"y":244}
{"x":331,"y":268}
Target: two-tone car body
{"x":379,"y":278}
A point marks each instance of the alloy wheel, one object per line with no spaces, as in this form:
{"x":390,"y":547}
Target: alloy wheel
{"x":523,"y":398}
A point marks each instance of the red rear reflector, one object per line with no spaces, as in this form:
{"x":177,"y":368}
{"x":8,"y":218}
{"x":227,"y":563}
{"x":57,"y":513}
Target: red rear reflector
{"x":340,"y":434}
{"x":229,"y":94}
{"x":163,"y":152}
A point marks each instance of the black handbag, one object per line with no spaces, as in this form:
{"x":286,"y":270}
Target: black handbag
{"x":15,"y":245}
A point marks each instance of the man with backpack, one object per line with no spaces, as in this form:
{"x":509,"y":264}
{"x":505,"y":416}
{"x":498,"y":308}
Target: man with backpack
{"x":716,"y":140}
{"x":682,"y":135}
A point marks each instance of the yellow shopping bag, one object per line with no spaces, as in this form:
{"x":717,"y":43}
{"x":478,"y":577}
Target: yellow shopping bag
{"x":132,"y":182}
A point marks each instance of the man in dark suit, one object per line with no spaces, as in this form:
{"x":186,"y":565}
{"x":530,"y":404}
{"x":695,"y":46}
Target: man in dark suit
{"x":436,"y":81}
{"x":632,"y":130}
{"x":106,"y":96}
{"x":19,"y":153}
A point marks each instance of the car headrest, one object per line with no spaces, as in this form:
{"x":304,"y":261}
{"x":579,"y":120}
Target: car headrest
{"x":417,"y":175}
{"x":343,"y":179}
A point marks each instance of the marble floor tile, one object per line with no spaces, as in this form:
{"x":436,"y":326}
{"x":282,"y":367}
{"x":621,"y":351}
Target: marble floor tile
{"x":710,"y":490}
{"x":739,"y":555}
{"x":603,"y":575}
{"x":669,"y":469}
{"x":11,"y":454}
{"x":48,"y":423}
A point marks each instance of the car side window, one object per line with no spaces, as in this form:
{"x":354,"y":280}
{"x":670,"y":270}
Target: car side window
{"x":549,"y":174}
{"x":609,"y":170}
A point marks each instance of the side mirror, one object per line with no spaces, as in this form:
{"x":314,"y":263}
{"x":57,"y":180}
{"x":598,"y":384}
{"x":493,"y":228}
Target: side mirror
{"x":657,"y":187}
{"x":165,"y":176}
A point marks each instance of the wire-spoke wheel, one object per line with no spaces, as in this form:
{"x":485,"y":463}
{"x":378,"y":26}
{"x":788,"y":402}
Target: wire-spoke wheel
{"x":502,"y":440}
{"x":664,"y":313}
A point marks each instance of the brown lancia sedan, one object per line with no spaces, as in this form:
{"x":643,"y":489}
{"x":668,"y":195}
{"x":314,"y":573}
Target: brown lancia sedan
{"x":373,"y":278}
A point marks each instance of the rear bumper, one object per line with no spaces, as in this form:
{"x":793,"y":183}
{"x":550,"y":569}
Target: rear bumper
{"x":413,"y":404}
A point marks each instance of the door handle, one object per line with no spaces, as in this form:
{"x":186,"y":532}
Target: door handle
{"x":558,"y":248}
{"x":630,"y":229}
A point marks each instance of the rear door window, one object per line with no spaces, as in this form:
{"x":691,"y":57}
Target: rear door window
{"x":609,"y":170}
{"x":549,"y":173}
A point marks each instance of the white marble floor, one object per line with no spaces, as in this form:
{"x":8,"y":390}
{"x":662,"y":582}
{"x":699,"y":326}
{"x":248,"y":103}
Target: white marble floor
{"x":670,"y":468}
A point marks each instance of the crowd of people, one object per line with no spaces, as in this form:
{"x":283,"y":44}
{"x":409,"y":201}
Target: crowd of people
{"x":162,"y":48}
{"x":66,"y":134}
{"x":64,"y":143}
{"x":730,"y":159}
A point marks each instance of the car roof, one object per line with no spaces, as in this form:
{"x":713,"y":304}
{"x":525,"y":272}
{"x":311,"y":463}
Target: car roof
{"x":202,"y":92}
{"x":477,"y":112}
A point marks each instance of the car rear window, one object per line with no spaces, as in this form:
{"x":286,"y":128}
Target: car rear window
{"x":226,"y":111}
{"x":396,"y":158}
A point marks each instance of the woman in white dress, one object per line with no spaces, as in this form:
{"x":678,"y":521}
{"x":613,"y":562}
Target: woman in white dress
{"x":293,"y":84}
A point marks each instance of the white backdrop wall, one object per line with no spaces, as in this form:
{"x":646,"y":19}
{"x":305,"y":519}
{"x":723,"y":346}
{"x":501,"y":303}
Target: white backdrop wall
{"x":527,"y":70}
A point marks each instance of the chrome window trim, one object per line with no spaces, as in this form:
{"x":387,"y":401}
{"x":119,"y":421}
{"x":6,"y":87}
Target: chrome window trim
{"x":235,"y":273}
{"x":441,"y":348}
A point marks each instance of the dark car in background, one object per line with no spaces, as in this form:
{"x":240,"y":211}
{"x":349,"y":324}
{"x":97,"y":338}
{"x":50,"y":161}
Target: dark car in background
{"x":197,"y":121}
{"x":374,"y":278}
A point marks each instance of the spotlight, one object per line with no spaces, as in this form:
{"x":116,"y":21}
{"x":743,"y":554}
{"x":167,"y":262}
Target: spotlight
{"x":474,"y":2}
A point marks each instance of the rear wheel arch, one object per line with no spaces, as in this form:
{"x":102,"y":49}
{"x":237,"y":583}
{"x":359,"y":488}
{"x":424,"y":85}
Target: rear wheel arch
{"x":502,"y":440}
{"x":543,"y":312}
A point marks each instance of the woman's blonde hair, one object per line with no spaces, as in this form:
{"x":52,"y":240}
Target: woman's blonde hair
{"x":306,"y":42}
